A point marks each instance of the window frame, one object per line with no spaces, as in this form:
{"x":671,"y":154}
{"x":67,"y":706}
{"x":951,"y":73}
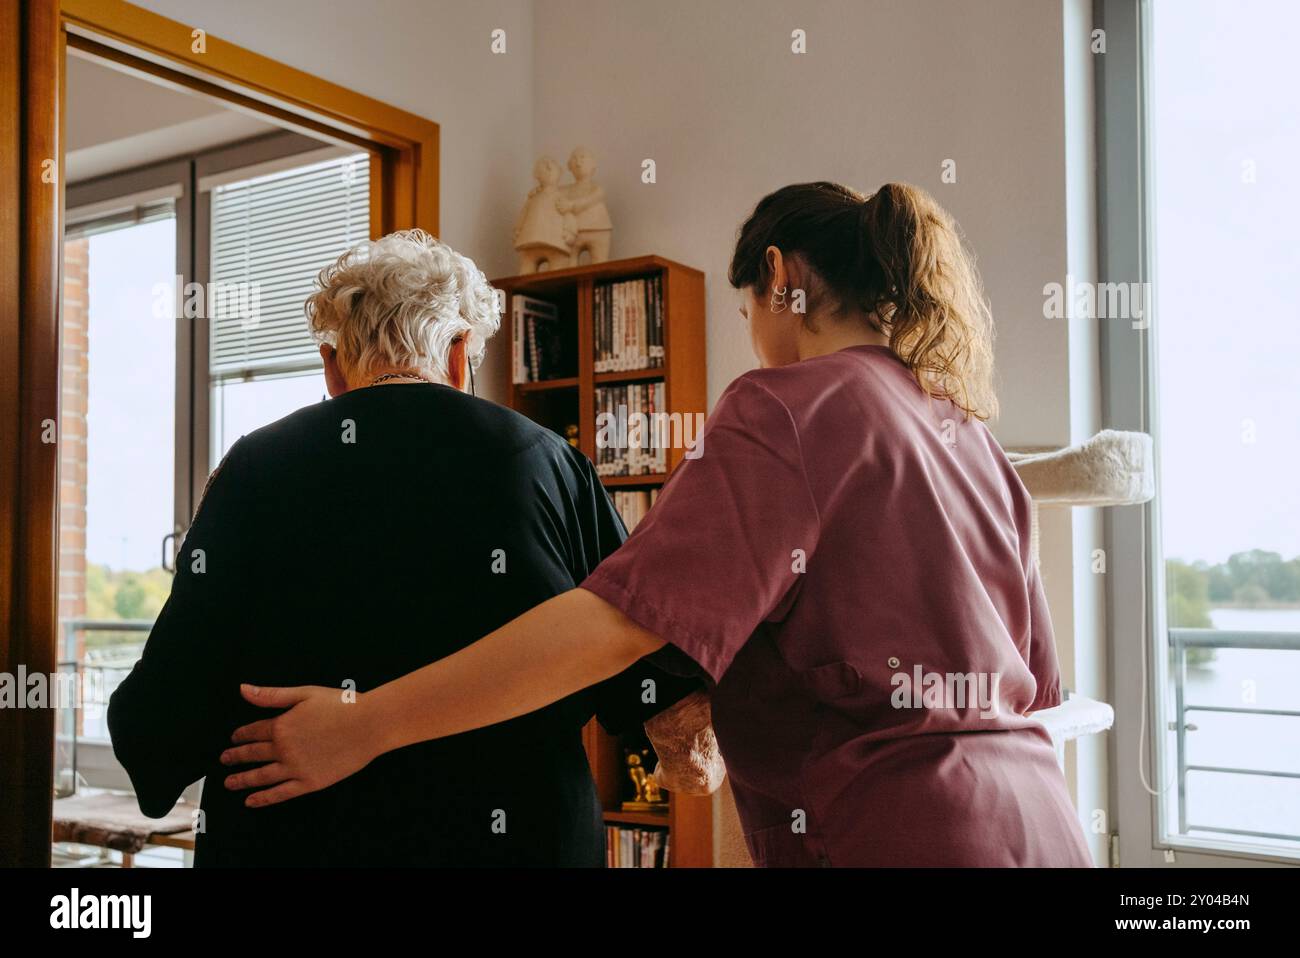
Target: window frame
{"x":94,"y":757}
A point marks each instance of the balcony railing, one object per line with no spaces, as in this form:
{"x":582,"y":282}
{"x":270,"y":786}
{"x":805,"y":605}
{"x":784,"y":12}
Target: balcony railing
{"x":1183,"y":639}
{"x":72,"y":626}
{"x":107,"y":670}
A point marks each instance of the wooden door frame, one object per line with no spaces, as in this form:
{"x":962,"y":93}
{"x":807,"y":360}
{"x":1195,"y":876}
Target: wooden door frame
{"x":34,"y":38}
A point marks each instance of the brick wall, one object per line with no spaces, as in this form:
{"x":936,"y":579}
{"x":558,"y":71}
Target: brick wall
{"x":72,"y":433}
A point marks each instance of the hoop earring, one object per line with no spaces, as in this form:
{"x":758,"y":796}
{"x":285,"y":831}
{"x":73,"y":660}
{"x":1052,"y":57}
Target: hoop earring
{"x":778,"y":305}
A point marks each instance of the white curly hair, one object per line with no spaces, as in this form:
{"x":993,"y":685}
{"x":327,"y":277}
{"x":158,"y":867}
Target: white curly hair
{"x":400,"y":302}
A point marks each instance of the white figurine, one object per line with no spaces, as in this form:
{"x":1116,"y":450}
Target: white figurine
{"x":544,"y":235}
{"x":585,"y":199}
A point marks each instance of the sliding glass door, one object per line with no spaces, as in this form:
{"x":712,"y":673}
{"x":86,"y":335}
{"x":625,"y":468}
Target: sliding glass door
{"x":1200,"y":204}
{"x":124,"y":440}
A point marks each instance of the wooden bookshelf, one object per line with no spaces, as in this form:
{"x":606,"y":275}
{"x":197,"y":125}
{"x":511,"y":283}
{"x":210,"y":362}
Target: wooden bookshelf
{"x":572,"y":399}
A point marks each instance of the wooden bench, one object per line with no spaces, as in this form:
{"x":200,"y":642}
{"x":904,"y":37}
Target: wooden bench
{"x":112,"y":820}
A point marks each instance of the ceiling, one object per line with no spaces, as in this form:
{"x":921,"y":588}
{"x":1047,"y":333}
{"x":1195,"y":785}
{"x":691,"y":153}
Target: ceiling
{"x":116,"y":121}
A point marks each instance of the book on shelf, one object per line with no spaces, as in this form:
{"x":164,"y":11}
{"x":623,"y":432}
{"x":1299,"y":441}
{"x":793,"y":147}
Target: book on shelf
{"x":631,"y":429}
{"x":541,"y":350}
{"x":628,"y":324}
{"x":628,"y":847}
{"x":633,"y":504}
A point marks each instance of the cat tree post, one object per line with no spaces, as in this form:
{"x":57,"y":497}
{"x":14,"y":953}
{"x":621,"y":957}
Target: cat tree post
{"x":1110,"y":469}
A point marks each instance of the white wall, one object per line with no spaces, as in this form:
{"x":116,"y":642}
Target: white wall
{"x":887,"y":91}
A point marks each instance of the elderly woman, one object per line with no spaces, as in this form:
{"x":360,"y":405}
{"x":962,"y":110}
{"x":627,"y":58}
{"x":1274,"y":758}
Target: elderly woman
{"x":364,"y":537}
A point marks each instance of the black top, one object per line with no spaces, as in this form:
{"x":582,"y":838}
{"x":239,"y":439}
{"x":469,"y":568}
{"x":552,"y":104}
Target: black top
{"x":357,"y":540}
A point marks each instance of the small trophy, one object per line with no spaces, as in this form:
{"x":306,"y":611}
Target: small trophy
{"x":649,"y":796}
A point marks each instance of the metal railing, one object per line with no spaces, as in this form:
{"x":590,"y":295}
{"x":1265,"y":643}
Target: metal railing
{"x":1180,"y":641}
{"x":69,"y":724}
{"x":72,"y":626}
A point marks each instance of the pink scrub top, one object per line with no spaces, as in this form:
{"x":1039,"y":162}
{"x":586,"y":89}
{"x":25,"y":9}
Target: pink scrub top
{"x":849,"y":561}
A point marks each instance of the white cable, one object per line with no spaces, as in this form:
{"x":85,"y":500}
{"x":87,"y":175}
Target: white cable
{"x":1143,"y":410}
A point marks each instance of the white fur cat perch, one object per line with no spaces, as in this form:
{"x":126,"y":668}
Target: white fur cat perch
{"x":1110,"y":469}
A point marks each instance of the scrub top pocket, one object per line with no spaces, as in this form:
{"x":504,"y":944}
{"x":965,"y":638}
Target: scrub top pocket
{"x":832,"y":682}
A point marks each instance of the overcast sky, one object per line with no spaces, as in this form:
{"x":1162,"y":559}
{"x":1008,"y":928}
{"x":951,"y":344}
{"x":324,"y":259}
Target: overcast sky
{"x":1226,"y":94}
{"x":131,"y":408}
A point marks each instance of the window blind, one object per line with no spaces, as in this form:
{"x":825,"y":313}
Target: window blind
{"x":271,"y":235}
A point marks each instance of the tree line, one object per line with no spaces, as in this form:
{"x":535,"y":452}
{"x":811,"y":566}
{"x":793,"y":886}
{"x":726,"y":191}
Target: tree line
{"x":1251,"y":579}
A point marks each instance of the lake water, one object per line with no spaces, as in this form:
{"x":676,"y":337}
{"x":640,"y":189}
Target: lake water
{"x":1244,"y":678}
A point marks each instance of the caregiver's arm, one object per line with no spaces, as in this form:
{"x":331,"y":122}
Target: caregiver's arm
{"x":560,"y":647}
{"x":563,"y":645}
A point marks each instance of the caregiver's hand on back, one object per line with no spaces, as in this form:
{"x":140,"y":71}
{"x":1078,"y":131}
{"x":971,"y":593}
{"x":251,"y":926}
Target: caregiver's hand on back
{"x":317,"y":742}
